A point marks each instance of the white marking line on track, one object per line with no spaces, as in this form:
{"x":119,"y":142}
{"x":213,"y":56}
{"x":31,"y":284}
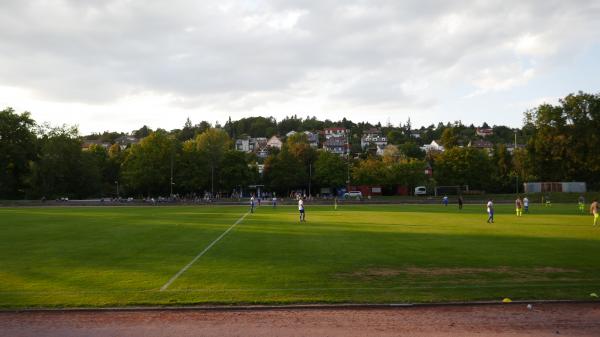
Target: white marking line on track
{"x":176,"y":276}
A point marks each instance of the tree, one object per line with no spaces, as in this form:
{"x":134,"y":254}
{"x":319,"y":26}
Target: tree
{"x":391,"y":154}
{"x":212,"y":144}
{"x":142,"y":132}
{"x":284,"y":172}
{"x":113,"y":167}
{"x":330,"y":170}
{"x":502,"y":171}
{"x":17,"y":150}
{"x":193,"y":172}
{"x":62,"y":169}
{"x":100,"y":159}
{"x":409,"y":173}
{"x":370,"y":171}
{"x":299,"y":147}
{"x":412,"y":150}
{"x":565,"y":143}
{"x":462,"y":166}
{"x":449,"y":139}
{"x":396,"y":137}
{"x":236,"y":171}
{"x":289,"y":124}
{"x":147,"y":166}
{"x":188,"y":131}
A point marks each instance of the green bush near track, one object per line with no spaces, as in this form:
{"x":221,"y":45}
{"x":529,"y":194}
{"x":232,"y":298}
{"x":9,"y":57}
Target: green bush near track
{"x":122,"y":256}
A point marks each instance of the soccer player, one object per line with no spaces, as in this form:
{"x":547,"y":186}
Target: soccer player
{"x":519,"y":206}
{"x":460,"y":202}
{"x":301,"y":209}
{"x":490,"y":211}
{"x":445,"y":200}
{"x":252,"y":204}
{"x":594,"y":211}
{"x":274,"y":201}
{"x":526,"y":204}
{"x":581,"y":203}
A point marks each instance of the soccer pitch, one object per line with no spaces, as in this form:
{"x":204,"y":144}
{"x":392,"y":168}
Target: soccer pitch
{"x":123,"y":256}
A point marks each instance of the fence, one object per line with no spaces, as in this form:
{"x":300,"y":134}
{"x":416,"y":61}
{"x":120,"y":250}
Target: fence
{"x":544,"y":187}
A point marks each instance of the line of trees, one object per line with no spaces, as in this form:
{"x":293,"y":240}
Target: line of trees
{"x":562,"y":143}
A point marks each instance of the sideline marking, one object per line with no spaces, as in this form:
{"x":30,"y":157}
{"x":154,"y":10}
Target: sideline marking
{"x":164,"y":287}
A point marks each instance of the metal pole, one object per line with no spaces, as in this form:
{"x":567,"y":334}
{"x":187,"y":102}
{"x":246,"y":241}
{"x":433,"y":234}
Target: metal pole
{"x":516,"y":173}
{"x":171,"y":184}
{"x":348,"y":159}
{"x":309,"y":177}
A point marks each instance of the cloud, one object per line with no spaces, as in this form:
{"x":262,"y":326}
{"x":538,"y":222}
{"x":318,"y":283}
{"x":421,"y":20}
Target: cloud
{"x":224,"y":56}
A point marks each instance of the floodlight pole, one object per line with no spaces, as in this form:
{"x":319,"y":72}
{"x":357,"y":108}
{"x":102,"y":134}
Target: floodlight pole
{"x":212,"y":180}
{"x":516,"y":172}
{"x":309,"y":177}
{"x":348,"y":160}
{"x":171,"y":184}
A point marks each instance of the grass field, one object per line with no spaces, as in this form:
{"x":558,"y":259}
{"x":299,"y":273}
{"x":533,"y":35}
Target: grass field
{"x":120,"y":256}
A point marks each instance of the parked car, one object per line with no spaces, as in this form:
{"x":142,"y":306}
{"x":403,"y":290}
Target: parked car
{"x":420,"y":190}
{"x":353,"y":194}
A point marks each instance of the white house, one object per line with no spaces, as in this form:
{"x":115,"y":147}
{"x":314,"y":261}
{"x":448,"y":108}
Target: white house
{"x":242,"y":144}
{"x":434,"y":146}
{"x":374,"y":136}
{"x":335,"y":132}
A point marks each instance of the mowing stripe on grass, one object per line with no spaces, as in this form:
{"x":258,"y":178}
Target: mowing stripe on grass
{"x":559,"y":285}
{"x":164,"y":287}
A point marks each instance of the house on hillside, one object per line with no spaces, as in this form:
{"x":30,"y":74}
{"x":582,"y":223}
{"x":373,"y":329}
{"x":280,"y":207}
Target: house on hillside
{"x":89,"y":143}
{"x":336,"y":132}
{"x":374,"y":136}
{"x":337,"y":145}
{"x":275,"y":142}
{"x":243,"y":144}
{"x":434,"y":146}
{"x":313,"y":139}
{"x":257,"y":145}
{"x":511,"y":147}
{"x":484,"y":132}
{"x":482,"y":145}
{"x":126,"y":141}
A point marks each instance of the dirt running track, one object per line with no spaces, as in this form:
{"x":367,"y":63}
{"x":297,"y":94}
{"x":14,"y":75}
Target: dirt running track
{"x":476,"y":320}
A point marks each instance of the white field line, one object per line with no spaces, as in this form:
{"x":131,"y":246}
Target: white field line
{"x":176,"y":276}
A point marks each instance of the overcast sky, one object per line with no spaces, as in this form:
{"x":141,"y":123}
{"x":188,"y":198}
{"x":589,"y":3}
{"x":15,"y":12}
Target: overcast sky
{"x":117,"y":65}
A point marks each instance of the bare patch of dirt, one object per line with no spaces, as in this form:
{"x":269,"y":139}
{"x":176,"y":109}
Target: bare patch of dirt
{"x":562,"y":319}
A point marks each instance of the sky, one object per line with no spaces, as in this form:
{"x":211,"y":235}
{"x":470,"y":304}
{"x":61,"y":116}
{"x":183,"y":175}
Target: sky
{"x":120,"y":64}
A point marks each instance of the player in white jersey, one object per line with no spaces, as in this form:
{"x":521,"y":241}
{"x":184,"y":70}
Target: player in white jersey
{"x":490,"y":211}
{"x":301,"y":209}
